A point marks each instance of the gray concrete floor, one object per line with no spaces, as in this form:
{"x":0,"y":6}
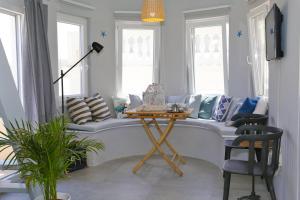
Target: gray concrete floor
{"x":155,"y":181}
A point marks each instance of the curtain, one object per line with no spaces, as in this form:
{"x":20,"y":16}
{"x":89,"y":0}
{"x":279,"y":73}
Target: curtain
{"x":36,"y":77}
{"x":260,"y":71}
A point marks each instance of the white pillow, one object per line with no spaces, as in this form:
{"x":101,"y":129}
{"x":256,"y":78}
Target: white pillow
{"x":261,"y":107}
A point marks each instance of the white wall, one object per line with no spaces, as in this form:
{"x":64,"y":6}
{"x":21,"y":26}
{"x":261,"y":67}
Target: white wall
{"x":173,"y":73}
{"x":284,"y":99}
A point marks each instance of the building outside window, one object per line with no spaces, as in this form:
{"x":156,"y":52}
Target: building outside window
{"x":138,"y":47}
{"x":207,"y":55}
{"x":72,"y":45}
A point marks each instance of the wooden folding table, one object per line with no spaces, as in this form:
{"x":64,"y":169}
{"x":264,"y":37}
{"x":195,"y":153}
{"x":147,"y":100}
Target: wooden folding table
{"x":150,"y":117}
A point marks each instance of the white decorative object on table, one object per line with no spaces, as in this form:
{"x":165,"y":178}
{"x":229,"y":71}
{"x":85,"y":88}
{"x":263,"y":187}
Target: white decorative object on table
{"x":153,"y":108}
{"x":154,"y":95}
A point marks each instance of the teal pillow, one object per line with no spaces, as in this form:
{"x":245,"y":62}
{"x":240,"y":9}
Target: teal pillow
{"x":206,"y":107}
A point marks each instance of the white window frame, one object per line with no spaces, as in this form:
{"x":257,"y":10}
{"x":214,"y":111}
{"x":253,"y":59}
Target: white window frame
{"x":261,"y":9}
{"x":19,"y":17}
{"x":82,"y":22}
{"x":119,"y":26}
{"x":191,"y":25}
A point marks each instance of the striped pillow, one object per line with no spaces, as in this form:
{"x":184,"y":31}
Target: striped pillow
{"x":98,"y":107}
{"x":79,"y":111}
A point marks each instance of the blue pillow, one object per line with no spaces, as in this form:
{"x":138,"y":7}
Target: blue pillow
{"x":249,"y":106}
{"x":222,"y":108}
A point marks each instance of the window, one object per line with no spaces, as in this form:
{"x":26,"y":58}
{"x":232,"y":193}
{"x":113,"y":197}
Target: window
{"x":207,"y":55}
{"x":10,"y":40}
{"x":71,"y":38}
{"x":260,"y":70}
{"x":137,"y":56}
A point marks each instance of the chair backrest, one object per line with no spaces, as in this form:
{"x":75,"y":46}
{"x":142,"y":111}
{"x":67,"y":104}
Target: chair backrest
{"x":270,"y":141}
{"x":250,"y":119}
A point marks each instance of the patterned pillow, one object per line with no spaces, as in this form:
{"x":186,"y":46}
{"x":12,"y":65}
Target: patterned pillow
{"x":79,"y":111}
{"x":235,"y":105}
{"x":120,"y":105}
{"x":222,"y":108}
{"x":98,"y":107}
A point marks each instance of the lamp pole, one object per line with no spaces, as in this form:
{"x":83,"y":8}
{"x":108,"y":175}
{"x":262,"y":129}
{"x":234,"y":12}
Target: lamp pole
{"x":95,"y":47}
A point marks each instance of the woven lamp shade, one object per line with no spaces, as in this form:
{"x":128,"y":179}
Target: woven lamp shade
{"x":153,"y":11}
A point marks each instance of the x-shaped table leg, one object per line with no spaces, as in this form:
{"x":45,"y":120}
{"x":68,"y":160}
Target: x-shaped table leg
{"x":157,"y":146}
{"x":175,"y":153}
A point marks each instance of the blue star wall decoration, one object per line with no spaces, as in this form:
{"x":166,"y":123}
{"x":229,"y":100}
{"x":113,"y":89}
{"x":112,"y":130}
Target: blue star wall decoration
{"x":103,"y":34}
{"x":239,"y":34}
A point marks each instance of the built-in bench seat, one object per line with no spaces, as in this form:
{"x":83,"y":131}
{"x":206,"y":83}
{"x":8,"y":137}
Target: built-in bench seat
{"x":97,"y":127}
{"x":197,"y":138}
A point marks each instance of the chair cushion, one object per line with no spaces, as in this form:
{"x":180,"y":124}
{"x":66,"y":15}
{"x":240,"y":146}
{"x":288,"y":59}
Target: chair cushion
{"x":106,"y":124}
{"x":241,"y":167}
{"x":212,"y":125}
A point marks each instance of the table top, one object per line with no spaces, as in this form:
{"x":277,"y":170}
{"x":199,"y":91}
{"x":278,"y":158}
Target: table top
{"x":134,"y":113}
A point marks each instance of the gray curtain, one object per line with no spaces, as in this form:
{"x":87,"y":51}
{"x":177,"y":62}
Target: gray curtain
{"x":37,"y":88}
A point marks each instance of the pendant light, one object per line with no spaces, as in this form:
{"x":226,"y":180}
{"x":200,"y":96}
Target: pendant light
{"x":153,"y":11}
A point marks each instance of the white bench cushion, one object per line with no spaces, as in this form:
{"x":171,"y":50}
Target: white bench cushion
{"x":93,"y":127}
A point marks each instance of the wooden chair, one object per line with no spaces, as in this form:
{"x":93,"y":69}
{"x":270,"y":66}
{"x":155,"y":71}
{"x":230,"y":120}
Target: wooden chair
{"x":269,"y":140}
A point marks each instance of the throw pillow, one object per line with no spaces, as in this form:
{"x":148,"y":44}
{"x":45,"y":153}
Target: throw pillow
{"x":261,"y":107}
{"x":222,"y":108}
{"x":100,"y":110}
{"x":206,"y":107}
{"x":176,"y":99}
{"x":120,"y":105}
{"x":135,"y":101}
{"x":249,"y":105}
{"x":79,"y":111}
{"x":195,"y":103}
{"x":235,"y":105}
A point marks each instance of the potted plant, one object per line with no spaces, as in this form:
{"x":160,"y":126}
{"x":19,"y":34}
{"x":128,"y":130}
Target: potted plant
{"x":44,"y":152}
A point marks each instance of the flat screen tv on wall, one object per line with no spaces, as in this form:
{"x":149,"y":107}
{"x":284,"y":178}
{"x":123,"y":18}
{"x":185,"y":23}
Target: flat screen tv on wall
{"x":273,"y":34}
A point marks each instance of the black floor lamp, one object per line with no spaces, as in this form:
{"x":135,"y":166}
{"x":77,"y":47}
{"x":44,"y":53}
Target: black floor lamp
{"x":95,"y":47}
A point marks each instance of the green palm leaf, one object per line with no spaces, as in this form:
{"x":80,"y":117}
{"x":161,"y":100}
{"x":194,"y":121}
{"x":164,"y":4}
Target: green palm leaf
{"x":44,"y":152}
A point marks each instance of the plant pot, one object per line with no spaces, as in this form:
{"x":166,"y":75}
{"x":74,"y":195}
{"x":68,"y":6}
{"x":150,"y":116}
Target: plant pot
{"x":60,"y":196}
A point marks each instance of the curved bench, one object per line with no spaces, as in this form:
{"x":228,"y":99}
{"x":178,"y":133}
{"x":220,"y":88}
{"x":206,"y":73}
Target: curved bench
{"x":196,"y":138}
